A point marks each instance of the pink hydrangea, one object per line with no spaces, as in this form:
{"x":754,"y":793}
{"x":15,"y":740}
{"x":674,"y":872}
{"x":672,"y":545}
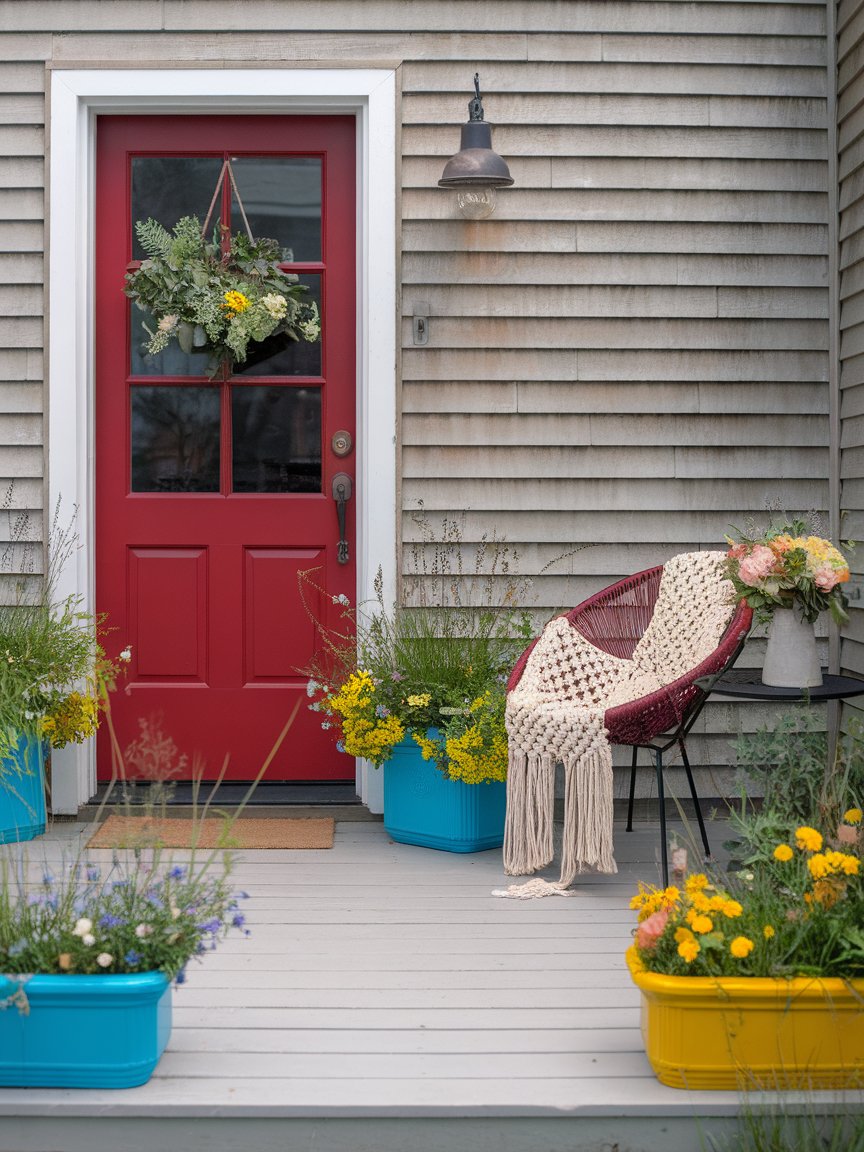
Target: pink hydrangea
{"x":652,"y":928}
{"x":754,"y":568}
{"x":826,"y":577}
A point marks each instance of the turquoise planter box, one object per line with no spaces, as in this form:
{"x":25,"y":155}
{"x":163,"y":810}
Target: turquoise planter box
{"x":85,"y":1031}
{"x":421,"y":806}
{"x":22,"y":792}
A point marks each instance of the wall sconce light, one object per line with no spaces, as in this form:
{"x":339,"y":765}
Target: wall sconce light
{"x":476,"y":171}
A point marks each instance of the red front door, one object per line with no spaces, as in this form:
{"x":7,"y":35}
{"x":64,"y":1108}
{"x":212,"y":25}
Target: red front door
{"x":211,"y":495}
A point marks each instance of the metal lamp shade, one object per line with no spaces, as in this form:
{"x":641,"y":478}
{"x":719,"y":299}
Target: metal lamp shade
{"x":475,"y":164}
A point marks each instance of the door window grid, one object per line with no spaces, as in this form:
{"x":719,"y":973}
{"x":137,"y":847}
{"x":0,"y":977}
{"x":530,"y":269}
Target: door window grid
{"x":228,"y":437}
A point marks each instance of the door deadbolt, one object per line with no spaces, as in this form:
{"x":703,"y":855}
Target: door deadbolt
{"x":341,"y":443}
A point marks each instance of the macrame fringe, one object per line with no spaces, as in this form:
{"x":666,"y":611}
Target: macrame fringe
{"x":532,"y":890}
{"x":529,"y":822}
{"x":588,"y":815}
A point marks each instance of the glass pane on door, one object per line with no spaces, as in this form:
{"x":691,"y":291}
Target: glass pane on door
{"x":276,"y":435}
{"x":171,"y":361}
{"x":168,"y":187}
{"x":282,"y":199}
{"x":175,"y":439}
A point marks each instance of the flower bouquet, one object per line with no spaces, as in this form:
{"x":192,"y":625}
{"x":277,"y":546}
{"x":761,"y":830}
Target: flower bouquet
{"x":756,"y":981}
{"x":217,"y":296}
{"x":785,"y":567}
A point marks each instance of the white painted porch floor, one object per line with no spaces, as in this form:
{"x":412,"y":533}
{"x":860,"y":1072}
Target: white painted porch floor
{"x":387,"y":1001}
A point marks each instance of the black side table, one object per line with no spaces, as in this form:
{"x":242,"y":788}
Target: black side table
{"x":746,"y":683}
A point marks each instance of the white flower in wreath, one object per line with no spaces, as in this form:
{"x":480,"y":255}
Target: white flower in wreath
{"x":275,"y":306}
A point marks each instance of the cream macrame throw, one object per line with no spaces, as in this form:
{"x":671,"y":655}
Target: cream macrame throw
{"x":555,"y":715}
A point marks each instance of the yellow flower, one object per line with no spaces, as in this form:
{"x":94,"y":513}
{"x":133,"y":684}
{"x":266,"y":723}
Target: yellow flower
{"x":419,"y":701}
{"x":768,"y":931}
{"x":634,"y":960}
{"x":696,"y":883}
{"x":850,"y":865}
{"x":702,"y":924}
{"x":428,"y":747}
{"x":688,"y":950}
{"x":852,"y":816}
{"x":74,"y":719}
{"x":741,"y":947}
{"x":701,"y":903}
{"x":783,"y":853}
{"x":236,"y":302}
{"x":808,"y":839}
{"x":732,"y":909}
{"x":671,"y":895}
{"x":819,"y":865}
{"x":682,"y":934}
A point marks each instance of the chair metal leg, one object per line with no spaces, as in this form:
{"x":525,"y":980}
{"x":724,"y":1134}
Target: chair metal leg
{"x":661,"y":798}
{"x":702,"y":831}
{"x":632,"y":790}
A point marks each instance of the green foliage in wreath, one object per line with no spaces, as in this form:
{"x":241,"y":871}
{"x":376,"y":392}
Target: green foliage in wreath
{"x":215,"y":298}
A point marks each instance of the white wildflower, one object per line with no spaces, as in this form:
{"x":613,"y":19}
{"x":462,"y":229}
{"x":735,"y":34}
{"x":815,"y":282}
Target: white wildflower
{"x":82,"y":927}
{"x":126,"y":654}
{"x":275,"y":306}
{"x":142,"y":930}
{"x":168,"y":323}
{"x":88,"y":939}
{"x":104,"y":959}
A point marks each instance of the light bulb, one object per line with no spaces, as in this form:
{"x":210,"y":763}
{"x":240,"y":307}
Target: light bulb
{"x":476,"y":203}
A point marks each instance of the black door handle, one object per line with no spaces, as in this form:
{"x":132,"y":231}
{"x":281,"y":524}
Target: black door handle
{"x":342,"y":488}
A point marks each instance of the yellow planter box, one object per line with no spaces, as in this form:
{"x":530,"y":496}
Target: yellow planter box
{"x":742,"y":1032}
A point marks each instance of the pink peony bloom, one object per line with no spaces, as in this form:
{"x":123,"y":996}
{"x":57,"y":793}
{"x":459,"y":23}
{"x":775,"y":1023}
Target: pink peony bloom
{"x":651,"y":929}
{"x":826,"y":577}
{"x":754,"y":568}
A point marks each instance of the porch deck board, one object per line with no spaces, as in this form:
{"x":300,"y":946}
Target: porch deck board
{"x":383,"y":982}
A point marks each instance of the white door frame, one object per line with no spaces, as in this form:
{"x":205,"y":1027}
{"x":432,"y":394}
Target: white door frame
{"x":77,"y":96}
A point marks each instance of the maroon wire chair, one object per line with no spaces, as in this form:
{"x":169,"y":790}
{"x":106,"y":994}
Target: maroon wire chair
{"x":614,"y":620}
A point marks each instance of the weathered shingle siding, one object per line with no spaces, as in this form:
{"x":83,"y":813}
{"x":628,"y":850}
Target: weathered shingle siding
{"x":22,"y":198}
{"x":631,"y":354}
{"x":850,"y":145}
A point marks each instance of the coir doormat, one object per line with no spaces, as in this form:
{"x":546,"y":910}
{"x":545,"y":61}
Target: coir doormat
{"x":251,"y":832}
